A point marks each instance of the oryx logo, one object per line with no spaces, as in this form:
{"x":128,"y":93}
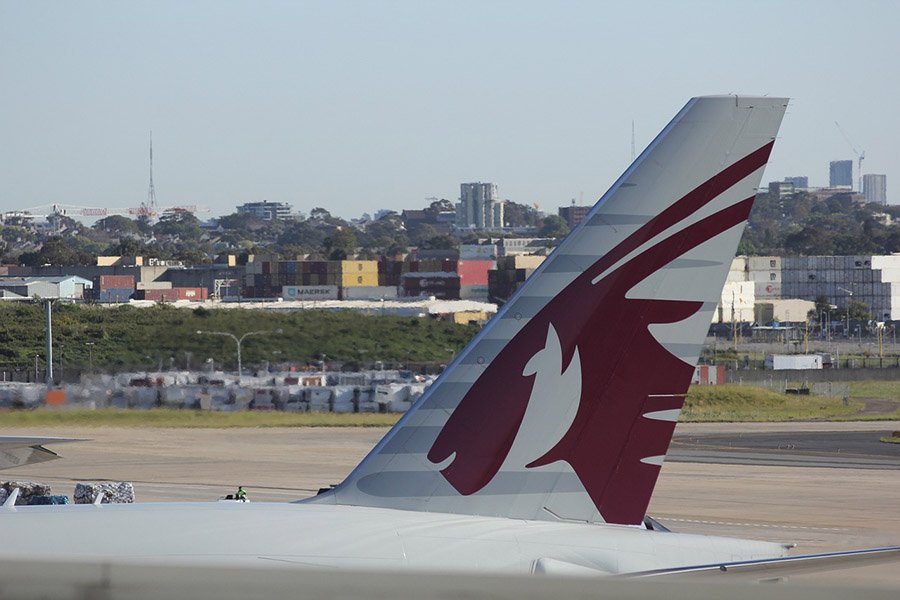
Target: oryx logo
{"x":598,"y":343}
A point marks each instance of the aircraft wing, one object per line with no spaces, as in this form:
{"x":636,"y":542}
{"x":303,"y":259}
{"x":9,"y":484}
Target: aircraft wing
{"x":17,"y":451}
{"x":775,"y":568}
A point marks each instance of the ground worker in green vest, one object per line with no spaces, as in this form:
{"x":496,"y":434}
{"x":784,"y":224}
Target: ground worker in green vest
{"x":241,"y":494}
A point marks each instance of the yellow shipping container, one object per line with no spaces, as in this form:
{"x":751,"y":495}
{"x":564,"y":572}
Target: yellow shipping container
{"x":361,"y":279}
{"x":359,"y":266}
{"x":471,"y":316}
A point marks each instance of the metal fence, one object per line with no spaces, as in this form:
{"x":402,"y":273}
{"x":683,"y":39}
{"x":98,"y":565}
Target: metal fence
{"x":830,"y":389}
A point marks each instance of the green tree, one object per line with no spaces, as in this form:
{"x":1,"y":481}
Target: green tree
{"x":340,"y":244}
{"x":440,"y":242}
{"x":520,"y":215}
{"x":182,"y":224}
{"x":554,"y":226}
{"x":58,"y":252}
{"x":117,"y":225}
{"x":859,"y":310}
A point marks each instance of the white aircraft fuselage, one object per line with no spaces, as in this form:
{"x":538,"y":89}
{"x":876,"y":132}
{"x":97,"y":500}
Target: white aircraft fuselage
{"x":316,"y":535}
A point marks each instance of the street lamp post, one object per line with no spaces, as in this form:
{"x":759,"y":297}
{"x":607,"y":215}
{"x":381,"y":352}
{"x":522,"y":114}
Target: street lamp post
{"x":238,"y":341}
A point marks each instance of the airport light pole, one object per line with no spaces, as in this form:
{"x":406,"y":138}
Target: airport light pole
{"x":90,"y":346}
{"x":849,"y":299}
{"x":238,"y":341}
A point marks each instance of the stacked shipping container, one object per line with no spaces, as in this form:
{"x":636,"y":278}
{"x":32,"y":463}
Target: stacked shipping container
{"x":288,"y":278}
{"x":473,"y":278}
{"x":510,"y":273}
{"x":873,"y":280}
{"x":109,"y":289}
{"x":193,"y":294}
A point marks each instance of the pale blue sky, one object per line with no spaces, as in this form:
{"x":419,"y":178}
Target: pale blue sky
{"x":357,"y":106}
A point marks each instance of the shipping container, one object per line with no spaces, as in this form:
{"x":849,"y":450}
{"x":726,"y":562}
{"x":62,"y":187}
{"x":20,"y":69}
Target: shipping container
{"x":474,"y":272}
{"x":474,"y":292}
{"x":112,"y":296}
{"x":764,"y":263}
{"x":117,"y":282}
{"x":358,"y":267}
{"x":191,"y":293}
{"x":173,"y":294}
{"x":310,"y":292}
{"x":388,"y":279}
{"x":520,"y":261}
{"x":436,"y":280}
{"x":156,"y":295}
{"x":369,"y":293}
{"x":359,"y":279}
{"x":779,"y":362}
{"x":768,"y":289}
{"x":153,"y":285}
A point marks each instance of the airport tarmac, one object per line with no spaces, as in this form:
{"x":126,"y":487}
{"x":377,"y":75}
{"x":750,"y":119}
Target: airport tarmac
{"x":782,"y":482}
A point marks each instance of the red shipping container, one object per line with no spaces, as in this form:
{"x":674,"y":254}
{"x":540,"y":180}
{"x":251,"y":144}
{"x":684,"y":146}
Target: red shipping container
{"x":474,"y":272}
{"x":114,"y":282}
{"x":157,"y":295}
{"x":194,"y":294}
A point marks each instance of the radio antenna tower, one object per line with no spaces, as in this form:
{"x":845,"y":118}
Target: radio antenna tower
{"x":150,"y":207}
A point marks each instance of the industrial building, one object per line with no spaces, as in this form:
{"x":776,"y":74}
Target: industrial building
{"x":68,"y":287}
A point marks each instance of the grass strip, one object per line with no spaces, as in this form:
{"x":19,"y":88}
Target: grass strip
{"x":743,"y":403}
{"x":882,"y":390}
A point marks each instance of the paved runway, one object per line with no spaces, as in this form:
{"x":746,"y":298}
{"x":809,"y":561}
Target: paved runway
{"x":835,"y":449}
{"x":849,"y":501}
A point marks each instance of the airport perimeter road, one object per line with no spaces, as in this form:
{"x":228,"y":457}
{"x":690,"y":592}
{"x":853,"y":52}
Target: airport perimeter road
{"x":821,"y":508}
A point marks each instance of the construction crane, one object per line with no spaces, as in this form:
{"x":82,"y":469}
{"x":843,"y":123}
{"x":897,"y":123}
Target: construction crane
{"x":860,"y":156}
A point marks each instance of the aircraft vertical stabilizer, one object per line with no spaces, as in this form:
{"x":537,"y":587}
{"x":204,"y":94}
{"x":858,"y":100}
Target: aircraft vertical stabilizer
{"x":563,"y":407}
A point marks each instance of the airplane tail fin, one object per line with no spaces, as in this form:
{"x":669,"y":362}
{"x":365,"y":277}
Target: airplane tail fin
{"x":563,"y":407}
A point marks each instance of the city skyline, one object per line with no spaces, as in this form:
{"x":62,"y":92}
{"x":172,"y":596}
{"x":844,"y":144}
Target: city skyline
{"x":359,"y":106}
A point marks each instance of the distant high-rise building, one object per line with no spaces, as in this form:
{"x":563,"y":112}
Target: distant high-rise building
{"x":479,"y":206}
{"x":267,"y":211}
{"x":573,"y":215}
{"x":800,"y":182}
{"x":875,"y":188}
{"x":841,"y":174}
